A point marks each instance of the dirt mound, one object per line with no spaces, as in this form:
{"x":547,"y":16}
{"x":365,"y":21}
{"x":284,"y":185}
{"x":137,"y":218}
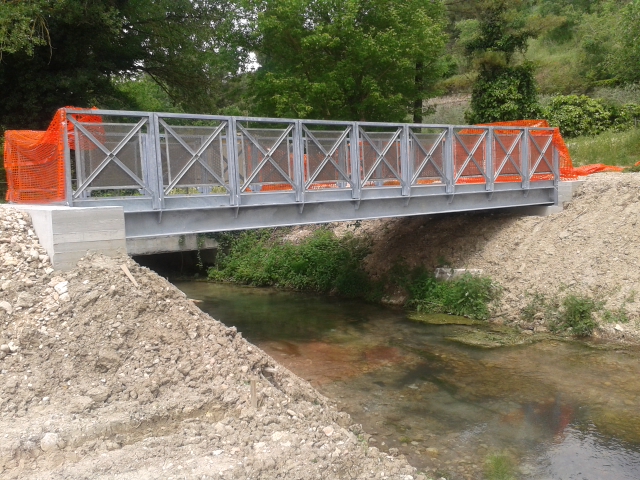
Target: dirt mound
{"x":590,"y":248}
{"x":101,"y":378}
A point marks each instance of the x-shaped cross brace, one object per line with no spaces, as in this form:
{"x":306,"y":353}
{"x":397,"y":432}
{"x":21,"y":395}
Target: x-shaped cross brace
{"x":266,"y":156}
{"x":111,"y":155}
{"x":508,"y":155}
{"x":328,"y":156}
{"x":470,"y":156}
{"x":428,"y":156}
{"x":381,"y":155}
{"x":195,"y":156}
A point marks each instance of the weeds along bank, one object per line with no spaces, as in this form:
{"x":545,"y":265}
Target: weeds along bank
{"x":100,"y":378}
{"x":574,"y":272}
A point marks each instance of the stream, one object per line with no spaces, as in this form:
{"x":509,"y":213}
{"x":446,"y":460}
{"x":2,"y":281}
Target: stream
{"x":450,"y":395}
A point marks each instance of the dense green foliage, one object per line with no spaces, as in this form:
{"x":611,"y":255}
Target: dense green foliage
{"x":321,"y":263}
{"x":325,"y":263}
{"x":504,"y":94}
{"x":584,"y":116}
{"x":188,"y":48}
{"x":578,"y":115}
{"x":468,"y":296}
{"x":352,"y":60}
{"x":503,"y":90}
{"x":22,"y":26}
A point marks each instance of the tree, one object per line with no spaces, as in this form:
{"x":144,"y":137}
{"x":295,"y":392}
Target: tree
{"x":193,"y":50}
{"x":347,"y":59}
{"x":503,"y":90}
{"x":628,"y":58}
{"x":22,"y":25}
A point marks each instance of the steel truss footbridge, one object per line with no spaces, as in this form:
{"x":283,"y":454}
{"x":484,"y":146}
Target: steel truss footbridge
{"x":175,"y":174}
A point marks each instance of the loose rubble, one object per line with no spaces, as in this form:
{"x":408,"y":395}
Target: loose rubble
{"x":100,"y":379}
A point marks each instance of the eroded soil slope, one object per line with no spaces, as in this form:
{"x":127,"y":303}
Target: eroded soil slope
{"x":104,"y":379}
{"x":591,"y":248}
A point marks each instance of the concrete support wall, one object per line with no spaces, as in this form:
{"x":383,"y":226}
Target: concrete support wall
{"x":175,"y":243}
{"x":68,"y":233}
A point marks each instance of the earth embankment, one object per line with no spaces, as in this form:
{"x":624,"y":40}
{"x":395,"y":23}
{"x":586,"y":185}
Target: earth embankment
{"x":591,"y":248}
{"x":103,"y":376}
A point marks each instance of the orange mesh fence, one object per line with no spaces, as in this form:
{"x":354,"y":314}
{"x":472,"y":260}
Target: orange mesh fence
{"x":510,"y":174}
{"x":34,"y":160}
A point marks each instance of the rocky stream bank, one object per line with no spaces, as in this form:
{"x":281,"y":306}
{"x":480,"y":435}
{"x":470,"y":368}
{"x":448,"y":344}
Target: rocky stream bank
{"x":590,"y":249}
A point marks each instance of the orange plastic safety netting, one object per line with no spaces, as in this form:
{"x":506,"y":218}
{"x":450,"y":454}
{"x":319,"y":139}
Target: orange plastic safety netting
{"x":34,"y":161}
{"x":567,"y":172}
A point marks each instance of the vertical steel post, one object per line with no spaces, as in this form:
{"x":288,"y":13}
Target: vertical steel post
{"x":68,"y":186}
{"x":526,"y":179}
{"x":153,"y":163}
{"x":355,"y":160}
{"x":298,"y":161}
{"x":233,"y":162}
{"x":489,"y":159}
{"x":449,"y":171}
{"x":406,"y":165}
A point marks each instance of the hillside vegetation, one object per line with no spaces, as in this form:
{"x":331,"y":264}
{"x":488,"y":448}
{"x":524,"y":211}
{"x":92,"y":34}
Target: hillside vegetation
{"x":575,"y":62}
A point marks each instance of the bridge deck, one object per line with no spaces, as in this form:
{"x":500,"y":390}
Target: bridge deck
{"x":175,"y":174}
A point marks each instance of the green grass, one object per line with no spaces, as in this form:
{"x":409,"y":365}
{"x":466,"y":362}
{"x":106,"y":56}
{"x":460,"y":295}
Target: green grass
{"x":499,"y":467}
{"x":610,"y":148}
{"x":558,"y":67}
{"x":324,"y":263}
{"x":468,"y":296}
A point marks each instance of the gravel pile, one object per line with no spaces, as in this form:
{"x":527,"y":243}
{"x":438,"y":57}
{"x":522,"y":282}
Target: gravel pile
{"x":103,"y":376}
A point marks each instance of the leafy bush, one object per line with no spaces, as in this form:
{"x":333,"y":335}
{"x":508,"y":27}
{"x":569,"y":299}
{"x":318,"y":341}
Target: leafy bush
{"x":577,"y":314}
{"x":321,"y":263}
{"x":468,"y":296}
{"x":504,"y":94}
{"x":578,"y":115}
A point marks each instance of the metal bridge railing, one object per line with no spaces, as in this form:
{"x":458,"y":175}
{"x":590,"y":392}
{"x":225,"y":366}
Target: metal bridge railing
{"x":159,"y":161}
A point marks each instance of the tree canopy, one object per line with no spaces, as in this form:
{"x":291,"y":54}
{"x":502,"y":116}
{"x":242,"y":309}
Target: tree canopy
{"x":330,"y":59}
{"x":191,"y":49}
{"x":347,"y":59}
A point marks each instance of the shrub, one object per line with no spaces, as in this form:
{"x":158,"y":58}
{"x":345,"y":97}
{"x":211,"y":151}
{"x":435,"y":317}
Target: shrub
{"x":321,"y":263}
{"x":578,"y":115}
{"x":503,"y":95}
{"x":468,"y":296}
{"x":577,"y":315}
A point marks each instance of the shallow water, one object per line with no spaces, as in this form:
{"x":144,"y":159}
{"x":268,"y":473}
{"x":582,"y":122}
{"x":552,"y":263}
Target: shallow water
{"x":555,"y":409}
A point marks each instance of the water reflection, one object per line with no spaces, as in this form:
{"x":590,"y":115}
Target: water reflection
{"x":562,"y":410}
